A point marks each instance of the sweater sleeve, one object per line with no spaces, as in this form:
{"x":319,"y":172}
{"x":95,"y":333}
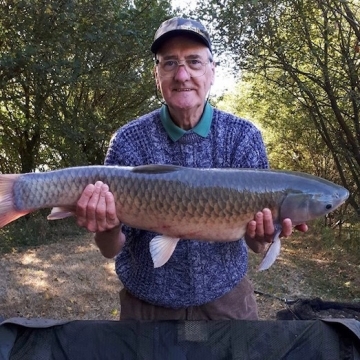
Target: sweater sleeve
{"x":250,"y":151}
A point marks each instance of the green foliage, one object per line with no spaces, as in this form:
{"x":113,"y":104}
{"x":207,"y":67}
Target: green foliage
{"x":309,"y":52}
{"x":71,"y":73}
{"x":290,"y":136}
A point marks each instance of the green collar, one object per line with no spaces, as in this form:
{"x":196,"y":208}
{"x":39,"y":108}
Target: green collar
{"x":202,"y":128}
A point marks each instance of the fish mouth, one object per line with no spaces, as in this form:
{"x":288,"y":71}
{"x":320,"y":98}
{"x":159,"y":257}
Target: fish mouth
{"x":343,"y":195}
{"x":339,"y":199}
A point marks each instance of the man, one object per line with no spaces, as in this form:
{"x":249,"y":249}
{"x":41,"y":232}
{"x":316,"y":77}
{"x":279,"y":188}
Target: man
{"x":201,"y":280}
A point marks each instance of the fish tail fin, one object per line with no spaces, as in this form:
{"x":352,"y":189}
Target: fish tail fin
{"x":161,"y":249}
{"x":61,"y":212}
{"x":272,"y":252}
{"x":8,"y":213}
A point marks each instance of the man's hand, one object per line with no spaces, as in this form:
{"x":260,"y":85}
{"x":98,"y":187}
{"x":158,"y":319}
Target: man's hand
{"x":260,"y":231}
{"x":96,"y":210}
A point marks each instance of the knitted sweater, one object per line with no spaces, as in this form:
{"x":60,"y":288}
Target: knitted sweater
{"x":198,"y":271}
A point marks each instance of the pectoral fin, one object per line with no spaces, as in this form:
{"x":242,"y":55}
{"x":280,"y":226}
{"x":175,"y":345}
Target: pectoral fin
{"x":272,"y":252}
{"x":161,"y":249}
{"x":58,"y":213}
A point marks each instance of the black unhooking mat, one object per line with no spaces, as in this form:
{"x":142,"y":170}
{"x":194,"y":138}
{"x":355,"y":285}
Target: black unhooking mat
{"x":44,"y":339}
{"x":310,"y":309}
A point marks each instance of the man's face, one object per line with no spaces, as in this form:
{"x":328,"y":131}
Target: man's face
{"x":182,"y":91}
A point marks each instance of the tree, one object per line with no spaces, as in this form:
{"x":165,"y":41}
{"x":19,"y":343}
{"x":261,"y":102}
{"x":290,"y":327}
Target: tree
{"x":309,"y":49}
{"x":71,"y":72}
{"x":291,"y":139}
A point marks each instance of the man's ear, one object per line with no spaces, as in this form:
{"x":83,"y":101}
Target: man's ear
{"x":213,"y":73}
{"x":156,"y":79}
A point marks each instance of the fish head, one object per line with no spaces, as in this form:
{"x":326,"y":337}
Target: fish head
{"x":302,"y":206}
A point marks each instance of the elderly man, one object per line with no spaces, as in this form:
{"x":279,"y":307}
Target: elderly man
{"x":201,"y":280}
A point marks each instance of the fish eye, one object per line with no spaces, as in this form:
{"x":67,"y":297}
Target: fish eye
{"x":328,"y":206}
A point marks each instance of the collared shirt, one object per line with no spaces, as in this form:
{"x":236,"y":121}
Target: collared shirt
{"x":202,"y":128}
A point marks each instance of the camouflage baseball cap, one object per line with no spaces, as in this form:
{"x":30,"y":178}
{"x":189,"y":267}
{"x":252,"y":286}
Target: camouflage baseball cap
{"x":178,"y":26}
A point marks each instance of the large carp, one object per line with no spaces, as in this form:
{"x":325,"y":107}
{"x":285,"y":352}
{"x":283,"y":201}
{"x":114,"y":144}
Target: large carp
{"x":178,"y":202}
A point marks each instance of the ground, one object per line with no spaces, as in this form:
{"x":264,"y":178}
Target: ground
{"x":71,"y":280}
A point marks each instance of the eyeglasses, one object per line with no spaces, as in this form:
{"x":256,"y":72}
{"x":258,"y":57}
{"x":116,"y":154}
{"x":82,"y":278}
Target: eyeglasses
{"x":194,"y":67}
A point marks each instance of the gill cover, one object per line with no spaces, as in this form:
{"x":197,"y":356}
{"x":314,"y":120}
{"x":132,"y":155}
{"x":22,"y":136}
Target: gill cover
{"x":302,"y":207}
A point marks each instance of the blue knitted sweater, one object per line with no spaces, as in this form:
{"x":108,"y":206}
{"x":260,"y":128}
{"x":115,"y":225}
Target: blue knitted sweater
{"x":198,"y":271}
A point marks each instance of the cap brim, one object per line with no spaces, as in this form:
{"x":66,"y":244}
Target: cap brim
{"x":156,"y":45}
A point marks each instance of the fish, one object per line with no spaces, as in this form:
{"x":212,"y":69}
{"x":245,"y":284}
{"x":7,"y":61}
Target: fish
{"x":175,"y":202}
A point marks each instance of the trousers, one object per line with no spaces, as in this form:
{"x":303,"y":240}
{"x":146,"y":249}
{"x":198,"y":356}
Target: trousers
{"x":238,"y":304}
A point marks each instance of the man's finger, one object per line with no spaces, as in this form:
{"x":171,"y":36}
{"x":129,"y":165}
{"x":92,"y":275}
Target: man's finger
{"x":111,"y":214}
{"x":286,"y":228}
{"x":83,"y":201}
{"x":268,"y":224}
{"x":259,"y":218}
{"x":100,"y":210}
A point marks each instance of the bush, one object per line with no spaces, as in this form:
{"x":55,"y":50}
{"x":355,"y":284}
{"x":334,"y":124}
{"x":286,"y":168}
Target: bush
{"x":34,"y":230}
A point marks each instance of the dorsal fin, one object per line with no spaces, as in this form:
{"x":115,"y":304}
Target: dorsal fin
{"x":156,"y":169}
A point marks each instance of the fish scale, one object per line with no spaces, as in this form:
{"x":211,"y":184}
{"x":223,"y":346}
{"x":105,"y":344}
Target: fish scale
{"x":176,"y":202}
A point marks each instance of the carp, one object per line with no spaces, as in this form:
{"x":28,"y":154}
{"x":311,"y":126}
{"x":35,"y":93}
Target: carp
{"x":178,"y":202}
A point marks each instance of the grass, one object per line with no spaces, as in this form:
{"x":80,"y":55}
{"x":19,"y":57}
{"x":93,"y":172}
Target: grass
{"x":64,"y":276}
{"x":34,"y":230}
{"x":310,"y":265}
{"x":64,"y":280}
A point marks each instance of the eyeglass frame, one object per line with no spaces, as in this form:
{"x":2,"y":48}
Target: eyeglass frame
{"x":183,"y":63}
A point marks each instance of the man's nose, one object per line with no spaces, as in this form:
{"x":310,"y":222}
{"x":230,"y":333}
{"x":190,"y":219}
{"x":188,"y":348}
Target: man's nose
{"x":182,"y":73}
